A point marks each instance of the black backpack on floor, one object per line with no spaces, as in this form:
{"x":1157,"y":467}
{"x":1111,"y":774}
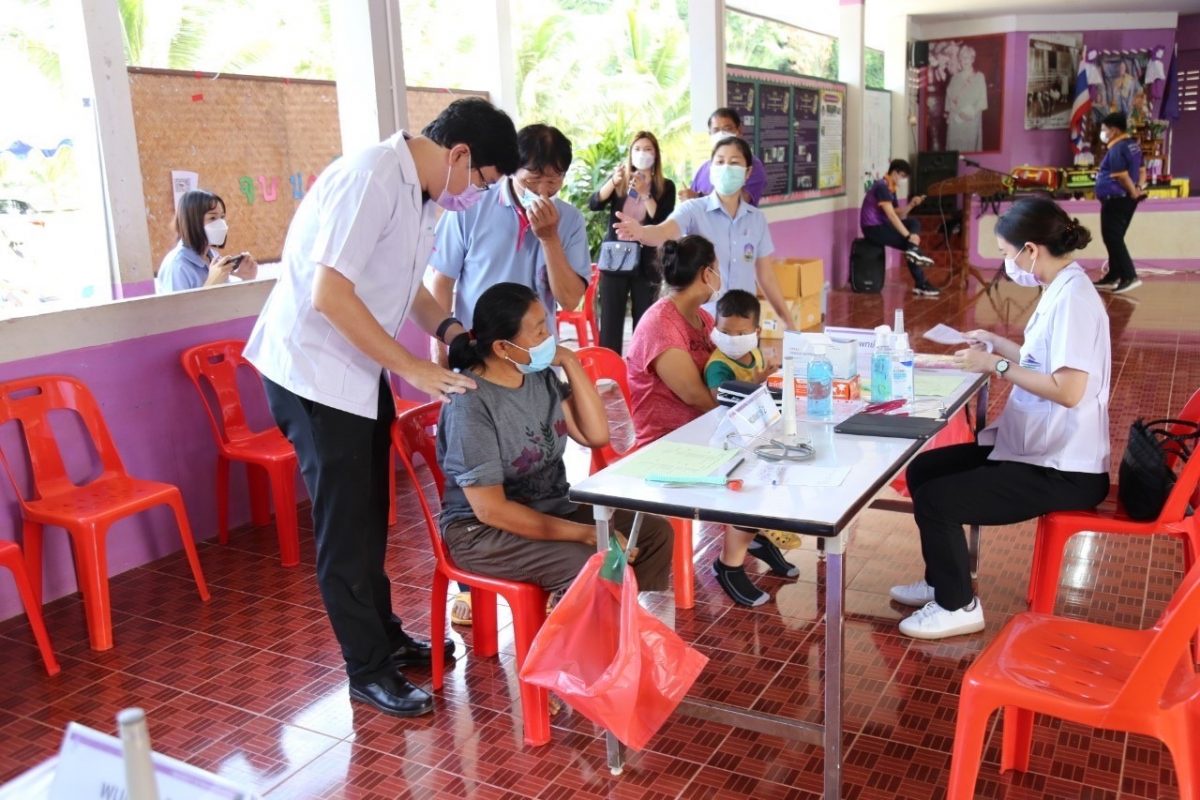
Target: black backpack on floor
{"x":866,"y":266}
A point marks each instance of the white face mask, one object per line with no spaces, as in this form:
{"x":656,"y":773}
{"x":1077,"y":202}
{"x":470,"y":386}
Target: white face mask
{"x":720,"y":136}
{"x":716,"y":293}
{"x":902,"y":188}
{"x":1019,"y":276}
{"x":642,"y":159}
{"x":215,"y":232}
{"x":1104,"y":137}
{"x":734,"y":346}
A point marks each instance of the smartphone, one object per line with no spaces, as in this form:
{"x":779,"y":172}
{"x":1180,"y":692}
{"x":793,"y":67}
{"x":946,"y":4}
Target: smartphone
{"x":236,"y":262}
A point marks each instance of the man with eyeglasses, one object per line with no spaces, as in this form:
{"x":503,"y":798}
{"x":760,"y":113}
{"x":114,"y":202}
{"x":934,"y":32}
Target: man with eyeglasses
{"x":353,"y":261}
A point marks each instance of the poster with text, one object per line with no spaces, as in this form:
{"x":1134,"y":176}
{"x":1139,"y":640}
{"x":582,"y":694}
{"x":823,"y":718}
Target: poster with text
{"x":739,"y":95}
{"x":774,"y":136}
{"x":807,"y":135}
{"x":832,"y":134}
{"x":1053,"y":63}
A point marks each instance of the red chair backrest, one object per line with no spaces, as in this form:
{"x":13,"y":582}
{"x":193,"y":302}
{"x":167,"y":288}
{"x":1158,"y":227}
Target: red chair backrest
{"x":29,"y":401}
{"x":412,"y":433}
{"x":600,"y":363}
{"x":1187,"y":487}
{"x":589,"y":303}
{"x":218,"y":363}
{"x":1169,"y":650}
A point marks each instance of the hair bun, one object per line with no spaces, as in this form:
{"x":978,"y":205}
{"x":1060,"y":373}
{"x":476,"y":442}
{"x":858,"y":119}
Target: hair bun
{"x":670,"y":247}
{"x":1075,"y":236}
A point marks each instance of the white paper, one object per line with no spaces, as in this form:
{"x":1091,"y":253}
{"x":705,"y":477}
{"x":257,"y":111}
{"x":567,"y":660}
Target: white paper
{"x":944,"y":334}
{"x":182,"y":182}
{"x":770,"y":474}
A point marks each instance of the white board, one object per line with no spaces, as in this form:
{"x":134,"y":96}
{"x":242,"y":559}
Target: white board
{"x":877,"y":144}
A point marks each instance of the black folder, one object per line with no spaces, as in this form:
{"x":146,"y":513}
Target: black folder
{"x":897,"y":427}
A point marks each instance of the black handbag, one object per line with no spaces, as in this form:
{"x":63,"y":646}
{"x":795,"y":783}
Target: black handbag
{"x":1145,"y":481}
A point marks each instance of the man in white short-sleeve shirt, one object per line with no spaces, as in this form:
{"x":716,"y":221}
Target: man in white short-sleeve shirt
{"x":352,"y":266}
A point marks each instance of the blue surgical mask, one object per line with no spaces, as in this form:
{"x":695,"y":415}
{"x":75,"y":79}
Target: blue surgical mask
{"x":529,"y":197}
{"x":1019,"y":276}
{"x":728,"y":179}
{"x":540,"y":356}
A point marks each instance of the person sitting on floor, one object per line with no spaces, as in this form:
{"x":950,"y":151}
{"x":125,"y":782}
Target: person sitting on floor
{"x":505,"y":512}
{"x":888,"y":226}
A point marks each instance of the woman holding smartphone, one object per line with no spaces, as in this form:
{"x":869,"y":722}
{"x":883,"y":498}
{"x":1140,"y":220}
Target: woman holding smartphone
{"x":194,"y":262}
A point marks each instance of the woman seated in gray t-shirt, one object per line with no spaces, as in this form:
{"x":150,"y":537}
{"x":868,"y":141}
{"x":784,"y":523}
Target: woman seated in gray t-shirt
{"x":505,"y":512}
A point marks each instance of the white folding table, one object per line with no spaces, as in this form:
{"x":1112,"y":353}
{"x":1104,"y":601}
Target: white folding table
{"x":823,"y":512}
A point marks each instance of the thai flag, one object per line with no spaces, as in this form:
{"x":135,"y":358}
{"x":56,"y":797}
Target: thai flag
{"x":1080,"y":108}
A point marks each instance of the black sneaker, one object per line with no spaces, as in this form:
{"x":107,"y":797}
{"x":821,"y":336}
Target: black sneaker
{"x":1107,"y":283}
{"x":766,"y":551}
{"x":926,"y":291}
{"x":917,"y":257}
{"x":1127,"y":285}
{"x":738,"y":586}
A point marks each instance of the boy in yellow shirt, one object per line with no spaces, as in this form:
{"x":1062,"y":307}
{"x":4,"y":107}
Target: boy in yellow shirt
{"x":739,"y":358}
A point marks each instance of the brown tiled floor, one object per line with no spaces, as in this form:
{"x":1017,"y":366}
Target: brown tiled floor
{"x":249,"y":684}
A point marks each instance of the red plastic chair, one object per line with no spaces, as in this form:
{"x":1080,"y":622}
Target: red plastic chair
{"x":265,"y":453}
{"x":87,"y":511}
{"x":1140,"y":681}
{"x":600,"y":363}
{"x":583,"y":320}
{"x":11,"y":558}
{"x":1055,"y":529}
{"x":411,"y":435}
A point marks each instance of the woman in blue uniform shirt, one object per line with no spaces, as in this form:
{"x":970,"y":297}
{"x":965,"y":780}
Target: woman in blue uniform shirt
{"x":1048,"y":450}
{"x":194,"y":262}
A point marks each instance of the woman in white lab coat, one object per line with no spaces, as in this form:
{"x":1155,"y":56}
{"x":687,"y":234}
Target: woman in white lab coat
{"x":1048,"y":451}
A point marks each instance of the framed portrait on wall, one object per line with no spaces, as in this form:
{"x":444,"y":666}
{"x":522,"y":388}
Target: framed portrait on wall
{"x":1052,"y":65}
{"x":963,"y":106}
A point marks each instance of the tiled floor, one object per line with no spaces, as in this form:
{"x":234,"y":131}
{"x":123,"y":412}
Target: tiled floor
{"x":249,"y":684}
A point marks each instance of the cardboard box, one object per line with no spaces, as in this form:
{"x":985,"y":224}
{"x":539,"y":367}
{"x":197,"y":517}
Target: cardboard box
{"x":843,"y":389}
{"x":799,"y":277}
{"x":812,"y":277}
{"x":772,"y":327}
{"x":807,"y":312}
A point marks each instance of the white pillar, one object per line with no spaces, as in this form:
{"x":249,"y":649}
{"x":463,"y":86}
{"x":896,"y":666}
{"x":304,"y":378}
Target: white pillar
{"x":92,"y":54}
{"x":368,"y":62}
{"x":499,"y":51}
{"x":706,"y":47}
{"x":852,"y":72}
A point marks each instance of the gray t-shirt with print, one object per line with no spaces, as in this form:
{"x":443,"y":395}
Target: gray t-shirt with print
{"x":511,"y":437}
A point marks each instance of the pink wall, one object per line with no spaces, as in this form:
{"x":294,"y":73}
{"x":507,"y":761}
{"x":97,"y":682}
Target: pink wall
{"x":825,"y":236}
{"x":162,"y":434}
{"x":1051,"y":148}
{"x":1188,"y":35}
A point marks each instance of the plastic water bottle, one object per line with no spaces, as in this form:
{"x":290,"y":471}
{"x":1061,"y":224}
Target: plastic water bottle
{"x":820,"y":384}
{"x":140,"y":782}
{"x":903,"y":384}
{"x":881,"y":366}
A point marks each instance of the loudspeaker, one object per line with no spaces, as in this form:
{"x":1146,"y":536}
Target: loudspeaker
{"x":919,"y":55}
{"x":867,"y":266}
{"x":931,"y":168}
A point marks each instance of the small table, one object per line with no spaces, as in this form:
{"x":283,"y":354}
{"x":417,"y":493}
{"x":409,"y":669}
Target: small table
{"x":822,"y":512}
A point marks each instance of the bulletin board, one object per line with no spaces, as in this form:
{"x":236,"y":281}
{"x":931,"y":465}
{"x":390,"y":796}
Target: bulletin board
{"x":797,"y":128}
{"x":259,"y":143}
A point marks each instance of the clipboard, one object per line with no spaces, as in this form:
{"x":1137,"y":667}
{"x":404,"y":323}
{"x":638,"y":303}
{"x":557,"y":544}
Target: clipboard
{"x":896,"y":427}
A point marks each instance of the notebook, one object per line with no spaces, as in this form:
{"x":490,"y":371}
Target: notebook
{"x":898,"y":427}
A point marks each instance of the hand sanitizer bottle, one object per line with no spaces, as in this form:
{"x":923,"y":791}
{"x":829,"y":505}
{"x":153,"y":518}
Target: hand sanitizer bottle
{"x":820,"y":384}
{"x":881,"y":366}
{"x":903,"y":387}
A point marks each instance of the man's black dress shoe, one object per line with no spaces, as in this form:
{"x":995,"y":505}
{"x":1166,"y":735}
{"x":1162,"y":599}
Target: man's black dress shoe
{"x":393,"y":694}
{"x":412,"y":652}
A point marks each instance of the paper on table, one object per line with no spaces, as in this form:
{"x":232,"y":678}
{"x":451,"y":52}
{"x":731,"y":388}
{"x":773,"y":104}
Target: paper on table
{"x":935,"y":385}
{"x":768,"y":474}
{"x":676,"y":459}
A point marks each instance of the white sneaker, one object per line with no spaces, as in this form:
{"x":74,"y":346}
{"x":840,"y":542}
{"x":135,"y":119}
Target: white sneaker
{"x":935,"y":622}
{"x":916,"y":594}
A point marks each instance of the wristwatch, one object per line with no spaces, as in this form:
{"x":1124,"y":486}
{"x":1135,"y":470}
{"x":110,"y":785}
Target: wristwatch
{"x":1002,"y":367}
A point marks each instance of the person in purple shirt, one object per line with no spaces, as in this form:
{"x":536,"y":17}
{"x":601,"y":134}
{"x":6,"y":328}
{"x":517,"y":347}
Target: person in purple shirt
{"x":725,"y":123}
{"x":888,"y":226}
{"x":1118,"y":196}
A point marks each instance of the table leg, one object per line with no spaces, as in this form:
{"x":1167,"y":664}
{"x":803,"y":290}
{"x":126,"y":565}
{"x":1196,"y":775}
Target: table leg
{"x":835,"y":595}
{"x":616,"y":754}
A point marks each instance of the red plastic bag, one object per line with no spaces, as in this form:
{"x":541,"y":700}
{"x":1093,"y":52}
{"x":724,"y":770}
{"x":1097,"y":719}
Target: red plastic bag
{"x":957,"y":431}
{"x":610,"y":659}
